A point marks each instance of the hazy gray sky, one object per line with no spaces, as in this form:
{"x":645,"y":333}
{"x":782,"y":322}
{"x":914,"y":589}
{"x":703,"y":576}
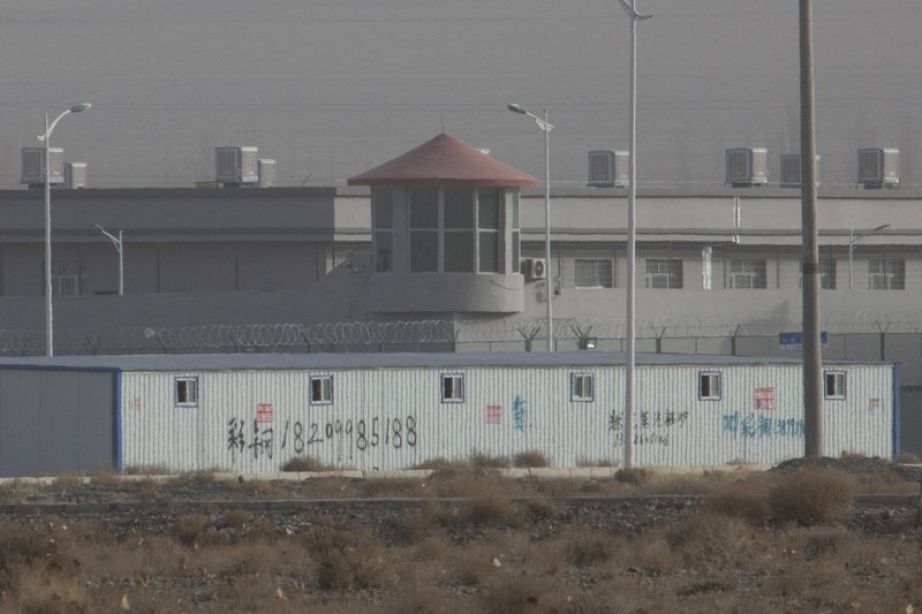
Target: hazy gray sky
{"x":332,"y":87}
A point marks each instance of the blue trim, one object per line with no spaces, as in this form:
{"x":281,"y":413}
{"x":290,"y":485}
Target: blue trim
{"x":897,"y":407}
{"x":118,"y":457}
{"x":8,"y":367}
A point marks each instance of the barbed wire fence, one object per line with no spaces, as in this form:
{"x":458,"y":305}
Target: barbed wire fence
{"x":438,"y":335}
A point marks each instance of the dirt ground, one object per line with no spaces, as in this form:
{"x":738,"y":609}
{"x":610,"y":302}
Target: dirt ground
{"x":467,"y":540}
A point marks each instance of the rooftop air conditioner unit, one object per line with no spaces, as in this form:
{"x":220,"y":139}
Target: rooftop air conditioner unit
{"x":609,"y":169}
{"x":75,"y":175}
{"x":790,"y":171}
{"x":266,"y":172}
{"x":747,"y":168}
{"x":878,"y":167}
{"x":236,"y":166}
{"x":33,"y":166}
{"x":534,"y":268}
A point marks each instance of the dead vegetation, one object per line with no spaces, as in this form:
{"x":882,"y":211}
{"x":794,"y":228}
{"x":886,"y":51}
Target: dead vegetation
{"x":777,"y":541}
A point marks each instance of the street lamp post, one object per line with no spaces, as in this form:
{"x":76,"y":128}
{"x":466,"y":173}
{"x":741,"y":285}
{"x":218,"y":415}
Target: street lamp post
{"x":46,"y":138}
{"x":546,"y":128}
{"x":630,"y":366}
{"x":118,"y":244}
{"x":852,"y":240}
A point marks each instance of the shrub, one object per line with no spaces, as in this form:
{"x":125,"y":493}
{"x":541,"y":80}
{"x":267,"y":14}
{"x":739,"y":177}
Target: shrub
{"x":706,"y":537}
{"x":810,"y":497}
{"x":188,"y":528}
{"x":635,"y":476}
{"x":908,"y":458}
{"x":519,"y":594}
{"x":490,"y":507}
{"x":236,"y":518}
{"x":586,"y":548}
{"x":347,"y":560}
{"x":742,"y":501}
{"x":530,"y":458}
{"x":148,"y":491}
{"x":485,"y":461}
{"x":306,"y":463}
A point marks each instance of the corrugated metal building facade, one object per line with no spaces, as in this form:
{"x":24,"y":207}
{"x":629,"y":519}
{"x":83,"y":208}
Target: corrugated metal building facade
{"x":251,"y":413}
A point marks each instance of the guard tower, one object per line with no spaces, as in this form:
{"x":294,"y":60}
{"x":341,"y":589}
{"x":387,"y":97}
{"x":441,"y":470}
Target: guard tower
{"x":445,"y":219}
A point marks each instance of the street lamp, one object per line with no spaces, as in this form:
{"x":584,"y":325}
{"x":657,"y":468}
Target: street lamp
{"x":852,"y":240}
{"x":46,"y":138}
{"x":630,"y":366}
{"x":117,"y":243}
{"x":546,"y":128}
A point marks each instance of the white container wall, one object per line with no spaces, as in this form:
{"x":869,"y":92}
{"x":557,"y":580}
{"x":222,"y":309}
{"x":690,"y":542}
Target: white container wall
{"x":253,"y":421}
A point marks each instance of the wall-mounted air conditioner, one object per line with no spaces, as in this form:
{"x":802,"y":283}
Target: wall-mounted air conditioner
{"x":791,"y":171}
{"x":747,"y":167}
{"x":33,"y":166}
{"x":236,"y":166}
{"x":534,"y":268}
{"x":609,"y":169}
{"x":878,"y":167}
{"x":74,"y":175}
{"x":266,"y":172}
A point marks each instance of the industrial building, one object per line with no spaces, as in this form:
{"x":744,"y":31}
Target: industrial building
{"x":250,"y":413}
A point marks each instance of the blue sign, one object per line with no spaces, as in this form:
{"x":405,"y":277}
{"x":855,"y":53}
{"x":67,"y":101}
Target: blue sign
{"x":795,"y":339}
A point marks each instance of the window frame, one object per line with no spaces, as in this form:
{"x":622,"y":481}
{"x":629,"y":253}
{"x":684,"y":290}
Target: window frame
{"x":611,"y":277}
{"x":720,"y":386}
{"x":577,"y":376}
{"x":456,"y":377}
{"x":186,"y":404}
{"x":885,"y":273}
{"x":731,"y":275}
{"x":379,"y":231}
{"x":835,"y":374}
{"x":675,"y":280}
{"x":476,"y":232}
{"x":320,"y":377}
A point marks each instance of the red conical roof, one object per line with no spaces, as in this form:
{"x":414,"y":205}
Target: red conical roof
{"x":445,"y":161}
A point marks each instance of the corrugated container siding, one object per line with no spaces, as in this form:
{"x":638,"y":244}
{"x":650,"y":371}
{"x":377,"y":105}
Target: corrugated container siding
{"x":255,"y":421}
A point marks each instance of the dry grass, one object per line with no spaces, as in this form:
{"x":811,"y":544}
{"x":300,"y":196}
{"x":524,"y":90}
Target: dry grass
{"x":595,"y":462}
{"x":810,"y":497}
{"x":635,"y":476}
{"x":530,"y":458}
{"x":486,"y":461}
{"x":908,"y":458}
{"x":306,"y":464}
{"x":188,"y":528}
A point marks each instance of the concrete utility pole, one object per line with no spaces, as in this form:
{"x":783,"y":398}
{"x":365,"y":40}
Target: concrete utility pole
{"x":630,"y":360}
{"x":813,"y":359}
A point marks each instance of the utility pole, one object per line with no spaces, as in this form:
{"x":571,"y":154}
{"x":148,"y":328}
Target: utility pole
{"x":630,"y":367}
{"x":813,"y":359}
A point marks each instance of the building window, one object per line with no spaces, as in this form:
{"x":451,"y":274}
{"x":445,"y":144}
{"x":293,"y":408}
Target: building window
{"x":185,"y":391}
{"x":827,"y":274}
{"x":322,"y":390}
{"x":488,"y":225}
{"x":886,"y":274}
{"x":516,"y":236}
{"x":453,"y":388}
{"x":709,"y":386}
{"x":582,"y":389}
{"x":834,"y":385}
{"x":594,"y":273}
{"x":746,"y":274}
{"x":424,"y":230}
{"x":456,"y":230}
{"x":382,"y":207}
{"x":65,"y":277}
{"x":459,"y":230}
{"x":664,"y":273}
